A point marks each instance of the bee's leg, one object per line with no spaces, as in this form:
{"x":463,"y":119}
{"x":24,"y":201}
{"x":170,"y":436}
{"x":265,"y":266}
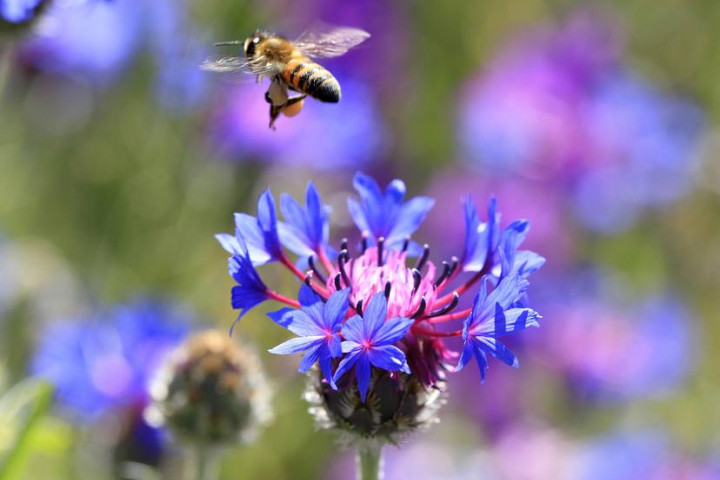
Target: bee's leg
{"x":294,"y":100}
{"x":274,"y":114}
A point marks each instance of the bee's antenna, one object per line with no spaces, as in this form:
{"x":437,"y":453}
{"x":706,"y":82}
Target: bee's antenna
{"x":232,"y":42}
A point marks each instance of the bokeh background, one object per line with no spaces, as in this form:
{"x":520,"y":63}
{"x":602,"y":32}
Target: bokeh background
{"x":120,"y":158}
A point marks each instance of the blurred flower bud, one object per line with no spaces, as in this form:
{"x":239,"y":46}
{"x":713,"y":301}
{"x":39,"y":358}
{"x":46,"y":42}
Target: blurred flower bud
{"x":396,"y":405}
{"x":18,"y":17}
{"x":212,"y":391}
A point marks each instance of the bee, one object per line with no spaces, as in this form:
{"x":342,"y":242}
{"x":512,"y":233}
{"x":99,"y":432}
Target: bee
{"x":288,"y":65}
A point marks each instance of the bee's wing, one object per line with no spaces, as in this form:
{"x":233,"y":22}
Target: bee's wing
{"x":240,"y":64}
{"x":224,"y":64}
{"x":329,"y":41}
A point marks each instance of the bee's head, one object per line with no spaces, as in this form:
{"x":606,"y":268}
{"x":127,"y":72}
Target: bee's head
{"x":251,"y":42}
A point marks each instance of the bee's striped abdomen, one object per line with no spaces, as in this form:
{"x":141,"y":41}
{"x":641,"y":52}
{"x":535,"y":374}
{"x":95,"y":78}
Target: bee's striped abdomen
{"x":313,"y":79}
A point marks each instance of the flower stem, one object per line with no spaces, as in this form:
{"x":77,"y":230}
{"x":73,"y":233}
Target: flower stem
{"x":369,"y":461}
{"x":5,"y":64}
{"x":204,"y":468}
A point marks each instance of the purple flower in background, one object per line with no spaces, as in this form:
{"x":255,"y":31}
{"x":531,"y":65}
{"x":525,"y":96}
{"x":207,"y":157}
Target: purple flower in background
{"x":105,"y":362}
{"x":560,"y":106}
{"x":595,"y":332}
{"x":323,"y":136}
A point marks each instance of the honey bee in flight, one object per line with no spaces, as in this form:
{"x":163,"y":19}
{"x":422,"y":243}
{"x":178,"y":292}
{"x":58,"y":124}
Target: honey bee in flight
{"x":289,"y":66}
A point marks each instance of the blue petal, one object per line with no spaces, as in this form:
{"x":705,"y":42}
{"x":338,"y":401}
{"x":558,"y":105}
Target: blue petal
{"x":326,"y":367}
{"x":318,"y":218}
{"x":392,"y":331}
{"x":293,"y":241}
{"x":307,"y":229}
{"x":388,"y":357}
{"x":354,"y":329}
{"x":374,"y":316}
{"x":230,"y":244}
{"x":309,"y":359}
{"x":297,"y":345}
{"x":297,"y":321}
{"x":372,"y":204}
{"x":467,"y":354}
{"x":513,"y":235}
{"x":358,"y":215}
{"x":307,"y":296}
{"x":310,"y":303}
{"x":509,"y":290}
{"x":527,"y":263}
{"x":336,"y":308}
{"x":260,"y":234}
{"x":362,"y":373}
{"x":395,"y":192}
{"x":409,"y":219}
{"x":250,"y":231}
{"x":384,"y":214}
{"x":251,"y":290}
{"x":498,"y":350}
{"x":244,"y":298}
{"x":334,"y":346}
{"x":346,"y":364}
{"x":348,"y":346}
{"x":481,"y":239}
{"x":508,"y":322}
{"x":482,"y":362}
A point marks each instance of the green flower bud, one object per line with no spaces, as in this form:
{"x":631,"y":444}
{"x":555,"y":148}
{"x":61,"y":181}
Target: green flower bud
{"x":396,"y":405}
{"x":211,"y":391}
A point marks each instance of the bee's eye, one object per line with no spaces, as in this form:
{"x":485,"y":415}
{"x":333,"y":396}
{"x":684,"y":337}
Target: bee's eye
{"x":250,"y":47}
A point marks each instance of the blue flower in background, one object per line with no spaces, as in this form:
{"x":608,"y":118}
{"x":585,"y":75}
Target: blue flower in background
{"x":91,"y":39}
{"x":493,"y":317}
{"x":385,"y":214}
{"x":106,"y":361}
{"x":95,"y":42}
{"x":317,"y":324}
{"x":19,"y":11}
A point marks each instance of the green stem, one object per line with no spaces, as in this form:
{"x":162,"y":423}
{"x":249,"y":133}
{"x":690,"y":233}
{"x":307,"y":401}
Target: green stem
{"x":5,"y":64}
{"x":369,"y":461}
{"x":204,"y":463}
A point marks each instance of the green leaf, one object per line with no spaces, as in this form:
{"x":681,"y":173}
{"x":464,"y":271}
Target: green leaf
{"x":21,"y":408}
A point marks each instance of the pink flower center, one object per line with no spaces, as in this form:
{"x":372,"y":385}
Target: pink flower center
{"x":406,"y":293}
